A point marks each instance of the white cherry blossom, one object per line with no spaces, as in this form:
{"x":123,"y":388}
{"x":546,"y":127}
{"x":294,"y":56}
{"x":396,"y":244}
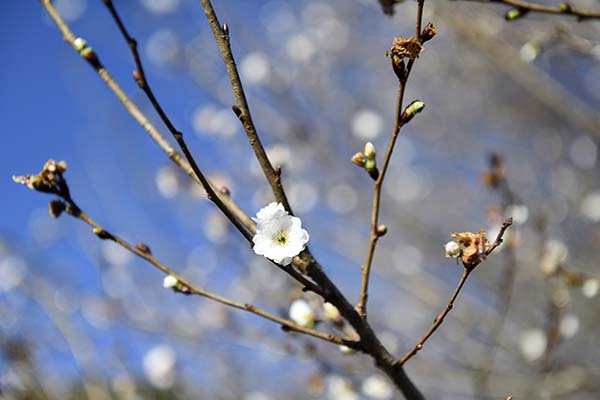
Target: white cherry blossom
{"x":279,"y":236}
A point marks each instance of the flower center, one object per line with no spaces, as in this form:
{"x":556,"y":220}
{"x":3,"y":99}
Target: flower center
{"x":281,"y":237}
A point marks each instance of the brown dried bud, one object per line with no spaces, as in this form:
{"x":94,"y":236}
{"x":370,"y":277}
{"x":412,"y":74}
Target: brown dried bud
{"x":398,"y":67}
{"x":474,"y":249}
{"x":428,"y":32}
{"x":381,"y":230}
{"x":56,"y":207}
{"x":406,"y":48}
{"x":90,"y":55}
{"x":102,"y":234}
{"x":49,"y":180}
{"x":143,"y":247}
{"x":373,"y":173}
{"x":359,"y":159}
{"x":137,"y":77}
{"x":224,"y":190}
{"x":237,"y":111}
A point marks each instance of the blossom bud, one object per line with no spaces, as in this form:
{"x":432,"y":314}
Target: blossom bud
{"x":413,"y":109}
{"x":331,"y":313}
{"x":137,"y":77}
{"x":56,"y":207}
{"x":453,"y":249}
{"x":381,"y":230}
{"x":79,"y":44}
{"x":428,"y":32}
{"x":170,"y":282}
{"x":369,"y":150}
{"x":143,"y":247}
{"x":302,"y":313}
{"x":359,"y":159}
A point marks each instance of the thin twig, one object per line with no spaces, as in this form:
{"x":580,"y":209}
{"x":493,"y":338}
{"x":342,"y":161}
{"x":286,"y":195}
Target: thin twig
{"x":374,"y":236}
{"x":438,"y":320}
{"x":564,"y":8}
{"x":242,"y":110}
{"x":76,"y":212}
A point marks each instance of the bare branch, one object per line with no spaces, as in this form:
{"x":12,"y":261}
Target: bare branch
{"x":398,"y":123}
{"x":222,"y":37}
{"x":440,"y":318}
{"x":139,"y":116}
{"x":59,"y":187}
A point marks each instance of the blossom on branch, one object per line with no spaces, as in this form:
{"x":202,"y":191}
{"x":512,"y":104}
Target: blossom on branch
{"x":279,"y":236}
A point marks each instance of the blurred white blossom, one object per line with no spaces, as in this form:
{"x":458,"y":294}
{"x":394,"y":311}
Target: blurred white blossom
{"x":12,"y":272}
{"x":161,"y":6}
{"x":302,"y":313}
{"x":555,"y":253}
{"x":159,"y":366}
{"x":340,"y":388}
{"x":169,"y":282}
{"x":255,"y":68}
{"x":366,"y":124}
{"x":377,"y":387}
{"x":590,"y":288}
{"x":533,"y":344}
{"x":569,"y":325}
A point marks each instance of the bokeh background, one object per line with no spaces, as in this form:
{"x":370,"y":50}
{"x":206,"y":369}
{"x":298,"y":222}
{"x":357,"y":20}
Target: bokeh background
{"x":82,"y":319}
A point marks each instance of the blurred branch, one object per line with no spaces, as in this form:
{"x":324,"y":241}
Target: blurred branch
{"x":505,"y":58}
{"x":400,"y":119}
{"x":495,"y":179}
{"x":241,"y":109}
{"x":564,"y":8}
{"x":440,"y":318}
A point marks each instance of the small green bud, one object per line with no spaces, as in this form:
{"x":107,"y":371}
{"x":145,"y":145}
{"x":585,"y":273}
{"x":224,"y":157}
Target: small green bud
{"x":566,"y":8}
{"x":413,"y":109}
{"x":515,"y":13}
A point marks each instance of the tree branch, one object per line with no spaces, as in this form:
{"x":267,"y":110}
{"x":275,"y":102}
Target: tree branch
{"x":242,"y":110}
{"x":440,"y":318}
{"x":58,"y":186}
{"x":139,"y":116}
{"x":564,"y":8}
{"x":398,"y":123}
{"x":142,"y":82}
{"x":229,"y":207}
